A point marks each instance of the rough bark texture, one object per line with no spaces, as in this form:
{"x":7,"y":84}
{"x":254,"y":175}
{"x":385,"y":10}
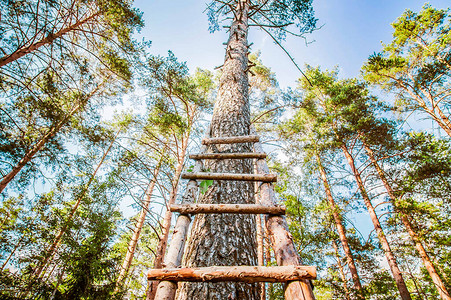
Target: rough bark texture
{"x":248,"y":274}
{"x":282,"y":243}
{"x":228,"y":208}
{"x":227,"y":239}
{"x":340,"y":229}
{"x":403,"y":291}
{"x":444,"y":294}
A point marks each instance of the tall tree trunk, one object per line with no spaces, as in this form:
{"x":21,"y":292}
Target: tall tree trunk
{"x":166,"y":226}
{"x":226,"y":239}
{"x":444,"y":294}
{"x":47,"y":40}
{"x":340,"y":229}
{"x":403,"y":291}
{"x":340,"y":268}
{"x":138,"y":227}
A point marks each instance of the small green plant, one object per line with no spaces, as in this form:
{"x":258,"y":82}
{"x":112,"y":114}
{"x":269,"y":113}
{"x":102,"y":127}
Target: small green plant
{"x":204,"y":185}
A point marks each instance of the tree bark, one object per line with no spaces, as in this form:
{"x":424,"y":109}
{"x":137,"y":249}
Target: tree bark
{"x":443,"y":292}
{"x":138,"y":227}
{"x":227,"y":239}
{"x":340,"y":229}
{"x":166,"y":289}
{"x":282,"y":243}
{"x":403,"y":291}
{"x":260,"y":253}
{"x":166,"y":226}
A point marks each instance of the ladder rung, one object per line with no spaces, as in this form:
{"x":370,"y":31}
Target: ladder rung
{"x":228,"y":155}
{"x":248,"y":274}
{"x":227,"y":208}
{"x":231,"y":139}
{"x":231,"y":176}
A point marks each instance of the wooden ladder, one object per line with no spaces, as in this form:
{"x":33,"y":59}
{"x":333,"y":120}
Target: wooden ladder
{"x":289,"y":269}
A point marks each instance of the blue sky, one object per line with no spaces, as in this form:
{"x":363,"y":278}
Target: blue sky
{"x":351,"y":31}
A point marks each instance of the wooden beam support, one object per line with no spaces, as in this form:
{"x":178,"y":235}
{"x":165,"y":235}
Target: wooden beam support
{"x":231,"y":176}
{"x":249,"y":274}
{"x":227,"y":208}
{"x":231,"y":140}
{"x":166,"y":289}
{"x":280,"y":237}
{"x":228,"y":155}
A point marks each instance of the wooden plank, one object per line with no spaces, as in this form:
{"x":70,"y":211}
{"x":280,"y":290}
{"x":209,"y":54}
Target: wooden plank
{"x":280,"y":237}
{"x":227,"y":208}
{"x":231,"y":139}
{"x":228,"y":155}
{"x":231,"y":176}
{"x":249,"y":274}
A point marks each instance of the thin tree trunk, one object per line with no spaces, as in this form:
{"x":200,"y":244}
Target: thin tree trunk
{"x":54,"y":247}
{"x":165,"y":228}
{"x":442,"y":120}
{"x":12,"y":252}
{"x":226,"y":239}
{"x":260,"y":253}
{"x":444,"y":294}
{"x":340,"y":268}
{"x":38,"y":146}
{"x":403,"y":291}
{"x":41,"y":143}
{"x":267,"y":250}
{"x":138,"y":227}
{"x":47,"y":40}
{"x":340,"y":229}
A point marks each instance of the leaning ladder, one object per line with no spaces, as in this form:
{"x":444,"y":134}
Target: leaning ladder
{"x":289,"y":269}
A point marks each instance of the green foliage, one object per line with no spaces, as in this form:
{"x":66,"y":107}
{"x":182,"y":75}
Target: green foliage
{"x":416,"y":65}
{"x":275,"y":16}
{"x":204,"y":185}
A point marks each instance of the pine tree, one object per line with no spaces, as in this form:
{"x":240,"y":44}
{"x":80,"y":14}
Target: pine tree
{"x":231,"y":117}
